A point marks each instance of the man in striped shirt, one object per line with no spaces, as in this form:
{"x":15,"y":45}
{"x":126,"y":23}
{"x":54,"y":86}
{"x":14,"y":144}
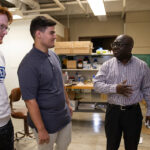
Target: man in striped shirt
{"x":126,"y":81}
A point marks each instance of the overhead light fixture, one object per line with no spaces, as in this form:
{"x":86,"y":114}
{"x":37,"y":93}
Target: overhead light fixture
{"x":97,"y":7}
{"x":17,"y":14}
{"x":17,"y":17}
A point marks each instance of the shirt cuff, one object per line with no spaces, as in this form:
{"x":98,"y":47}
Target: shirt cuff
{"x":113,"y":88}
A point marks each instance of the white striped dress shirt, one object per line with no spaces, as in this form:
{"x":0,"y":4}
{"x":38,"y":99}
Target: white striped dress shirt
{"x":113,"y":72}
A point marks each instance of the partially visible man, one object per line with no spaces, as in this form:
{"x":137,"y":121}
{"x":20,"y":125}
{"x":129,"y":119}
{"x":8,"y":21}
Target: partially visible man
{"x":6,"y":127}
{"x":126,"y":80}
{"x":42,"y":88}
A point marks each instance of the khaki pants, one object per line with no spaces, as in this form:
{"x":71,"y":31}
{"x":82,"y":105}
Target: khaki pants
{"x":61,"y":138}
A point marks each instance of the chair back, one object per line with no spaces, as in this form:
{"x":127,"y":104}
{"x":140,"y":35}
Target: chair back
{"x":19,"y":113}
{"x":14,"y":96}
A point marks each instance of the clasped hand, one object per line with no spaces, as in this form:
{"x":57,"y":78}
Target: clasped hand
{"x":124,"y":89}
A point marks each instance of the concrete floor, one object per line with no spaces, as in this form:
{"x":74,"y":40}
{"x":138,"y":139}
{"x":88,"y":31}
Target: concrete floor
{"x":87,"y":133}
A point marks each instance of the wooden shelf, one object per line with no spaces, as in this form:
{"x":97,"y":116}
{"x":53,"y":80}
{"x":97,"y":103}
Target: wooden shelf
{"x":92,"y":54}
{"x":84,"y":86}
{"x":95,"y":54}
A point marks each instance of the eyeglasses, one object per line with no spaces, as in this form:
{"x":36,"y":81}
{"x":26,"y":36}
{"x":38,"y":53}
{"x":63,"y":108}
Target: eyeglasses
{"x":118,"y":44}
{"x":4,"y":28}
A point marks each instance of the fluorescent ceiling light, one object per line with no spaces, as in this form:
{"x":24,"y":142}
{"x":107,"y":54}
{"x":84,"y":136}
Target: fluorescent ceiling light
{"x":17,"y":17}
{"x":17,"y":14}
{"x":97,"y":7}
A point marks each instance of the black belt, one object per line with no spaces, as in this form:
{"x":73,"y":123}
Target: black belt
{"x":123,"y":107}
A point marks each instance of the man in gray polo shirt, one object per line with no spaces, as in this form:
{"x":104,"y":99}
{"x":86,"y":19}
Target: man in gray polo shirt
{"x":42,"y":88}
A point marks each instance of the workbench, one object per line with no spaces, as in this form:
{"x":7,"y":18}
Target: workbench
{"x":88,"y":105}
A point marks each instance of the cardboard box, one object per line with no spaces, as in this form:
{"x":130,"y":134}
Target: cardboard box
{"x":63,"y":44}
{"x":79,"y":44}
{"x":74,"y":47}
{"x":63,"y":47}
{"x":71,"y":64}
{"x":62,"y":51}
{"x":82,"y":50}
{"x":82,"y":47}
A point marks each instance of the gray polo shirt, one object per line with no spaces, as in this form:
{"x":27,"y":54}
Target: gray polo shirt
{"x":40,"y":78}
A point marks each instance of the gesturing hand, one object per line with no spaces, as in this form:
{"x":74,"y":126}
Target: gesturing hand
{"x":124,"y":89}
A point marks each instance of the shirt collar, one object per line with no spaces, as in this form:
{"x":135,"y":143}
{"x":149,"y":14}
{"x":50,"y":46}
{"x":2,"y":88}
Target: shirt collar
{"x":40,"y":52}
{"x":130,"y":61}
{"x":49,"y":53}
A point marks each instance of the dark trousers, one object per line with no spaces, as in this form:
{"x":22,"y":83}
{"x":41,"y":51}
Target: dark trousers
{"x":7,"y":137}
{"x":127,"y":122}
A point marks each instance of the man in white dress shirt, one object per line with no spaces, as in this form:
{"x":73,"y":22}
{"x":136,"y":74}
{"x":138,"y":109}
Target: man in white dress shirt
{"x":126,"y":81}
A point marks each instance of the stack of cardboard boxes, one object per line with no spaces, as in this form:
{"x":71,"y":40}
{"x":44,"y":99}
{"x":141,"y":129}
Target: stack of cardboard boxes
{"x":73,"y":48}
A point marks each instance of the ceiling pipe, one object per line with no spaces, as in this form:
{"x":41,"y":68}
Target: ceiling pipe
{"x":42,"y":10}
{"x":123,"y":10}
{"x":80,"y":4}
{"x":31,"y":3}
{"x":64,"y":3}
{"x":72,"y":3}
{"x":67,"y":3}
{"x":59,"y":4}
{"x":59,"y":8}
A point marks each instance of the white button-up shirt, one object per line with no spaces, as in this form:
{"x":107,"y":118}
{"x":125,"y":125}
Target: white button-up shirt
{"x":113,"y":72}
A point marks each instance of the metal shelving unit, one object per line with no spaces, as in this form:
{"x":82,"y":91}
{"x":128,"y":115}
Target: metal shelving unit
{"x":85,"y":106}
{"x":98,"y":107}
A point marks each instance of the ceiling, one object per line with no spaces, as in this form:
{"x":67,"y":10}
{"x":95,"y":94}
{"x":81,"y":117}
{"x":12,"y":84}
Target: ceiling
{"x":75,"y":8}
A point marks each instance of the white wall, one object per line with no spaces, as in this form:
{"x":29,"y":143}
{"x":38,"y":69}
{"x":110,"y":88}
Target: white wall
{"x":84,"y":27}
{"x":15,"y":45}
{"x":138,"y":26}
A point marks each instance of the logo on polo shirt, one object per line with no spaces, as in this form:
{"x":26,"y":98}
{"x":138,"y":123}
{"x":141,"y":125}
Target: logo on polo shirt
{"x":2,"y":73}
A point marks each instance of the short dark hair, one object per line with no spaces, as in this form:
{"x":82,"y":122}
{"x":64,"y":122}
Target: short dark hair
{"x":40,"y":23}
{"x":129,"y":39}
{"x":4,"y":11}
